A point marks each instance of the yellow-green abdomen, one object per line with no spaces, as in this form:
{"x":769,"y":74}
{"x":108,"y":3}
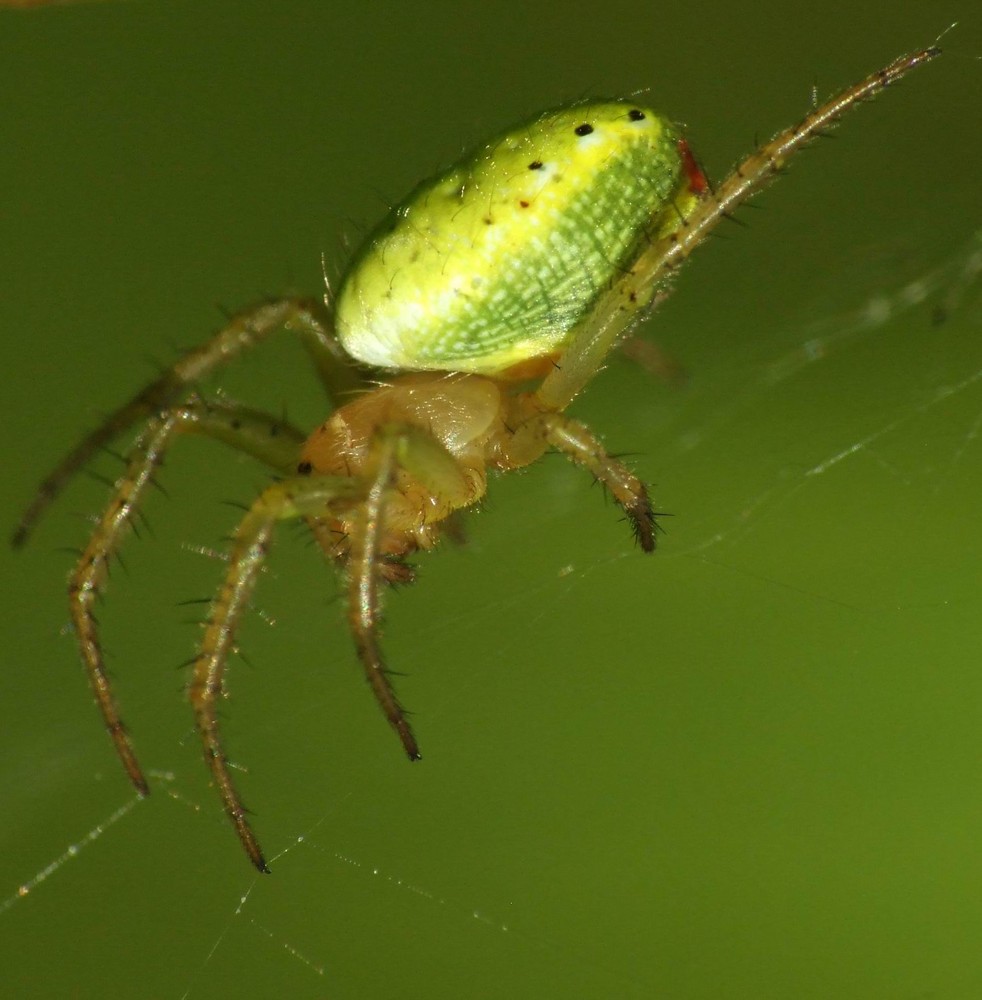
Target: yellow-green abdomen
{"x":494,"y":261}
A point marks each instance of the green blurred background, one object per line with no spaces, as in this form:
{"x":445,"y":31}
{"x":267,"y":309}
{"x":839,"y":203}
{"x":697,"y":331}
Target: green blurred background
{"x":747,"y":767}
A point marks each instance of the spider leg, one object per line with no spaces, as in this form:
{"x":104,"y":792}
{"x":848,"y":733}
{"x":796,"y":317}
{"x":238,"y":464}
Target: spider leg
{"x":414,"y":450}
{"x":630,"y":294}
{"x":266,"y":438}
{"x":295,"y":497}
{"x":364,"y":602}
{"x":307,"y":318}
{"x":535,"y":431}
{"x":396,"y":446}
{"x":579,"y":444}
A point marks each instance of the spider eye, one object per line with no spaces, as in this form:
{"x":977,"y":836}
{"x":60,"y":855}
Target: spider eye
{"x":583,"y":129}
{"x":304,"y":469}
{"x":635,"y":115}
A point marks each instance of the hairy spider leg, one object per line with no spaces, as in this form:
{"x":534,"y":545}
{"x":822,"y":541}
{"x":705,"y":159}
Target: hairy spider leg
{"x":534,"y":432}
{"x":578,"y":443}
{"x":308,"y":318}
{"x":630,"y":294}
{"x":290,"y":498}
{"x":364,"y":602}
{"x":397,"y":446}
{"x":363,"y":500}
{"x":266,"y":438}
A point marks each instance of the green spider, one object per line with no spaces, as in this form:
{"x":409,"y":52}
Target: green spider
{"x":464,"y":328}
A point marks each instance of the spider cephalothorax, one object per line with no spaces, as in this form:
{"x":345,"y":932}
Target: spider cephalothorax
{"x":464,"y":328}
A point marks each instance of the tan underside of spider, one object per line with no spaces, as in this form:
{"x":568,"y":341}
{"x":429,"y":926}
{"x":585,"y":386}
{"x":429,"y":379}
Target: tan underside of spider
{"x":379,"y":478}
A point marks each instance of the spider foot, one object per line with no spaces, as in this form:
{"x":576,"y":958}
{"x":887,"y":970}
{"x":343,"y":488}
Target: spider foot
{"x":642,"y":518}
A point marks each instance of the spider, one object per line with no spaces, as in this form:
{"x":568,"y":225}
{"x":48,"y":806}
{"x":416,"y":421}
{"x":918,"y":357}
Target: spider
{"x":463,"y":329}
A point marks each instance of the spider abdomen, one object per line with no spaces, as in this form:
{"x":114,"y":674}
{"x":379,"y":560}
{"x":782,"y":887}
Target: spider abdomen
{"x":494,"y":261}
